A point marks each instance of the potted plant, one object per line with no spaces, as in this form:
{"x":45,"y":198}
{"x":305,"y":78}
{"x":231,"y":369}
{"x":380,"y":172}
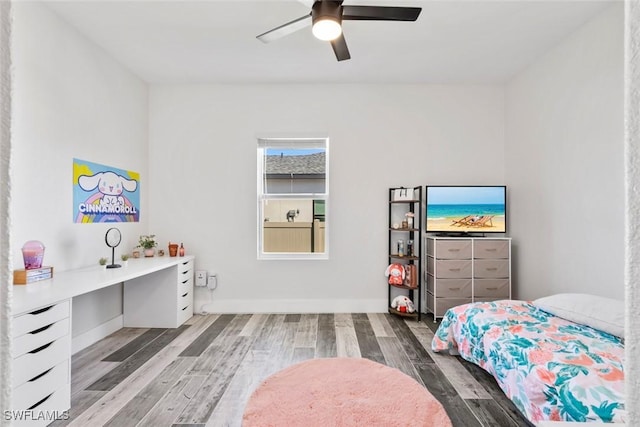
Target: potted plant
{"x":148,"y":243}
{"x":125,"y":259}
{"x":103,"y":262}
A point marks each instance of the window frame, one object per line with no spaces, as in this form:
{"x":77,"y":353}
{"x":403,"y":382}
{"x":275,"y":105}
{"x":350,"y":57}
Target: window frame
{"x":265,"y":143}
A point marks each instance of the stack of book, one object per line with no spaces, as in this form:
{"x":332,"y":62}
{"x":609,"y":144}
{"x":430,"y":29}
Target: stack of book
{"x":23,"y":277}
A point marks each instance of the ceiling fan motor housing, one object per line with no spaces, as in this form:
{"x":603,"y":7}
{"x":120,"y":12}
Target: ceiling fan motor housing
{"x":327,"y":10}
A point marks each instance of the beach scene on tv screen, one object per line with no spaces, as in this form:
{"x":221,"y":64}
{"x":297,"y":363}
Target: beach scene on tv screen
{"x":466,"y":209}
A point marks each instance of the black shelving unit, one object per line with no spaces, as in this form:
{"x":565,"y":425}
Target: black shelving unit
{"x":410,"y":201}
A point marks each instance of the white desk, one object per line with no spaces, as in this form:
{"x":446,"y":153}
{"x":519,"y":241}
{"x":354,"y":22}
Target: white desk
{"x":158,"y":292}
{"x":69,"y":284}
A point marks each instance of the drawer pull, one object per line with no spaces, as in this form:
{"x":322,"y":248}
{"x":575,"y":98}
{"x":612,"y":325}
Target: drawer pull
{"x":454,"y":289}
{"x":39,"y":349}
{"x":42,"y":310}
{"x":39,"y":403}
{"x":453,"y":250}
{"x":44,"y":328}
{"x":40,"y":375}
{"x":185,"y":263}
{"x":492,"y":289}
{"x":454,"y":269}
{"x":185,"y":281}
{"x":490,"y":249}
{"x":185,"y":294}
{"x":492,"y":268}
{"x":185,"y":308}
{"x":186,"y":272}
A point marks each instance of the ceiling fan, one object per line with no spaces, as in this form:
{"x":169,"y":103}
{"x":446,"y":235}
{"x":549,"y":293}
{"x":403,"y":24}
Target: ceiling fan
{"x":326,"y":19}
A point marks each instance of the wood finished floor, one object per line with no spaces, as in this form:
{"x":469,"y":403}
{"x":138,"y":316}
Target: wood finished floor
{"x":202,"y":373}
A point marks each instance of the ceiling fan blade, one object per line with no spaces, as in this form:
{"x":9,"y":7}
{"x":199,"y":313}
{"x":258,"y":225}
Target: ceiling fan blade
{"x":340,"y":48}
{"x":286,"y":29}
{"x":380,"y":13}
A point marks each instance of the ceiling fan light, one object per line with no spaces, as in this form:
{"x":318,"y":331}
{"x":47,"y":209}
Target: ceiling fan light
{"x":326,"y":29}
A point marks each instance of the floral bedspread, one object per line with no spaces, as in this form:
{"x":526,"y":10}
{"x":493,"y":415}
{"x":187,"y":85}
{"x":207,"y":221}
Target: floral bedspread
{"x":551,"y":368}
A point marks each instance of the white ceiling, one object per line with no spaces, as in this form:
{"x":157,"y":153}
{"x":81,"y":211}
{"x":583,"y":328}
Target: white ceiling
{"x":212,"y":41}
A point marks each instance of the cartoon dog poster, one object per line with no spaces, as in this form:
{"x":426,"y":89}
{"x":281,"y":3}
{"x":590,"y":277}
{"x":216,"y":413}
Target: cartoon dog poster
{"x":104,"y":193}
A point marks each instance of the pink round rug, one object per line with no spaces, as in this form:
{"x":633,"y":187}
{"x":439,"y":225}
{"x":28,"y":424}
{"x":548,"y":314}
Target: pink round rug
{"x":342,"y":392}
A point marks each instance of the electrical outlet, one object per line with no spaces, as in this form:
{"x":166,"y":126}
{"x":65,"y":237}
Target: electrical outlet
{"x":201,"y":278}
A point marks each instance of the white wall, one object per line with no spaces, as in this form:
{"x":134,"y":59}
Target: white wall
{"x":564,"y":164}
{"x":71,"y":99}
{"x":5,"y":191}
{"x":202,"y":162}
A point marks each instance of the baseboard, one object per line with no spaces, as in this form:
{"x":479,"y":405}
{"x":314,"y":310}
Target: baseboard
{"x":94,"y":335}
{"x":292,"y":306}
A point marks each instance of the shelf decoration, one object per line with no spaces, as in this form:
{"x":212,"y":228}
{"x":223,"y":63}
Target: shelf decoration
{"x":402,"y":194}
{"x":148,"y":244}
{"x":24,"y":277}
{"x":409,"y":216}
{"x":112,"y":238}
{"x":32,"y":254}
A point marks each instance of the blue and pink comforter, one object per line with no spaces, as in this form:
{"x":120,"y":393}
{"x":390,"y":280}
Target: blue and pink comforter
{"x":551,"y":368}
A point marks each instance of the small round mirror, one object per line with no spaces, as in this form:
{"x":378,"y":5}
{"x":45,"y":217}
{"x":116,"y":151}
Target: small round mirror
{"x":113,"y":239}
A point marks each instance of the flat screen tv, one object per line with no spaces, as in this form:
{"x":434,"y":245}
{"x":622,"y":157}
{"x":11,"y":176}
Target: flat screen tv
{"x":458,"y":209}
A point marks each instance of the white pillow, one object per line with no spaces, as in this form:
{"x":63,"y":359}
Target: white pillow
{"x":605,"y":314}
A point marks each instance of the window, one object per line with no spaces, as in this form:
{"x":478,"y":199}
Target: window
{"x":293,"y":194}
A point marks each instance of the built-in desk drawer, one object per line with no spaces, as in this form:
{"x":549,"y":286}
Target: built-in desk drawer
{"x":46,"y":410}
{"x":185,"y":313}
{"x":185,"y":299}
{"x":185,"y":284}
{"x":36,"y":319}
{"x":37,"y":361}
{"x":39,"y":337}
{"x":33,"y":391}
{"x":186,"y":267}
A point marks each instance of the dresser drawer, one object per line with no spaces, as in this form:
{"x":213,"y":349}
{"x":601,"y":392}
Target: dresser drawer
{"x":491,"y":268}
{"x":491,"y":288}
{"x":39,"y":337}
{"x":33,"y":391}
{"x":491,"y":249}
{"x":449,"y":288}
{"x":489,"y":299}
{"x":37,"y":319}
{"x":34,"y":363}
{"x":449,"y":249}
{"x":438,"y":306}
{"x":449,"y":269}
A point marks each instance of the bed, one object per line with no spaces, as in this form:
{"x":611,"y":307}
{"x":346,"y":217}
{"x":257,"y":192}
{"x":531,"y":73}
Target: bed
{"x":551,"y":368}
